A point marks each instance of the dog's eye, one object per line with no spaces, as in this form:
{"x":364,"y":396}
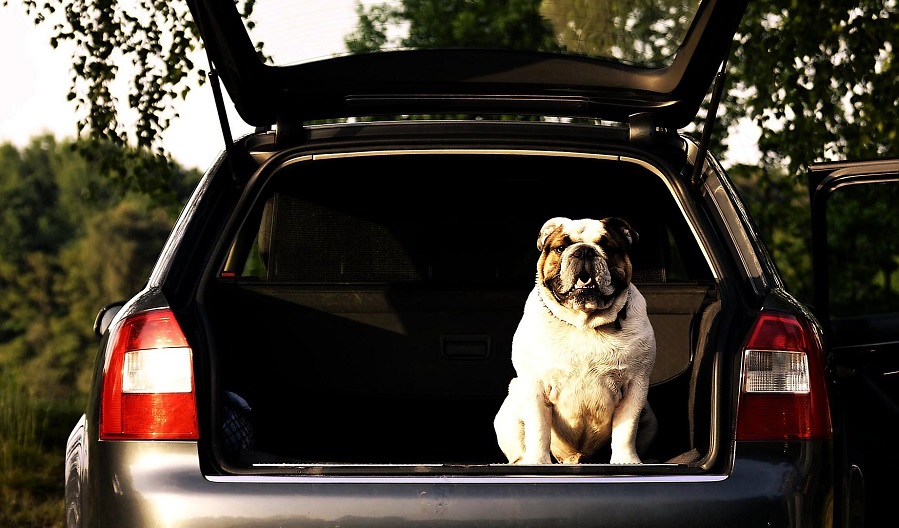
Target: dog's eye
{"x":559,"y":249}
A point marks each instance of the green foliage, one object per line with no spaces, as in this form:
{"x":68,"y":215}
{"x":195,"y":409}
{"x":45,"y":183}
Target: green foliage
{"x":83,"y":220}
{"x":149,"y":48}
{"x":451,"y":23}
{"x":29,"y":218}
{"x":575,"y":26}
{"x":31,"y":457}
{"x":819,"y":79}
{"x":371,"y":34}
{"x":858,"y":219}
{"x":592,"y":28}
{"x":70,"y":243}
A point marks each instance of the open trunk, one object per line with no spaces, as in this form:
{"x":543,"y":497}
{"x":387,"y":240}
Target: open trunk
{"x":367,"y":306}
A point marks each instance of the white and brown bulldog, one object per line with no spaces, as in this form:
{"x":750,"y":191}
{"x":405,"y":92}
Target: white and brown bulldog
{"x":582,"y":353}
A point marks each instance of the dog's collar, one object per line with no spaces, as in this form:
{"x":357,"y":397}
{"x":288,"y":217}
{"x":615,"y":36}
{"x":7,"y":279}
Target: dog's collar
{"x":622,"y":314}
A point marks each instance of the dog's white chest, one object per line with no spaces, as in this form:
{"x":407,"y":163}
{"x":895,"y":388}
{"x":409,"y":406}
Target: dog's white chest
{"x":588,"y":382}
{"x":584,"y":372}
{"x":554,"y":349}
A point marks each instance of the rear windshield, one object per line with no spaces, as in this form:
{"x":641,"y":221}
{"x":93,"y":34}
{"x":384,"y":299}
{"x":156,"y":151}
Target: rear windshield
{"x":641,"y":32}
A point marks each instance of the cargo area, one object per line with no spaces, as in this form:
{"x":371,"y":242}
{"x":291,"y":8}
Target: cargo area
{"x":363,"y":325}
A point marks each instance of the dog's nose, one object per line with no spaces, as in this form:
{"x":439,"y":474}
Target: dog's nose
{"x":583,"y":252}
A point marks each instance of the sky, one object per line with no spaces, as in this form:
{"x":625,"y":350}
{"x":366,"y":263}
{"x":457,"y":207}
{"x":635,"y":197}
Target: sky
{"x":38,"y":77}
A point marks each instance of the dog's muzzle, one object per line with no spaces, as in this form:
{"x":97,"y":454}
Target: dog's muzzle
{"x":584,"y":278}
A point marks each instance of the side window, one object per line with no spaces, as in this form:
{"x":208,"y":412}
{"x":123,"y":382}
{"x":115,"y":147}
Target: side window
{"x":863,"y":260}
{"x":321,"y":243}
{"x":254,"y":266}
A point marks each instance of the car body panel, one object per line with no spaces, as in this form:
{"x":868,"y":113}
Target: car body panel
{"x":162,"y":484}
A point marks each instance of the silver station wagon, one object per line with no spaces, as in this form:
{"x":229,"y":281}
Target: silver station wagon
{"x":326,"y":337}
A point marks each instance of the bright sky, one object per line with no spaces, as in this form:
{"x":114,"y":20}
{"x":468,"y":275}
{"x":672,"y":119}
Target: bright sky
{"x":37,"y":78}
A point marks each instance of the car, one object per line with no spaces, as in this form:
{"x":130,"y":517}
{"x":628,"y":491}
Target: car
{"x":326,"y":336}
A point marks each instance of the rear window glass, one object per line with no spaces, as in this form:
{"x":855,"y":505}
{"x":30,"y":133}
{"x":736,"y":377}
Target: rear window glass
{"x":641,"y":32}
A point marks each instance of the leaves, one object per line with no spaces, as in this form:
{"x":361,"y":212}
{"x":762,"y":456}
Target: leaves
{"x":861,"y":222}
{"x":819,"y":79}
{"x":70,"y":243}
{"x":450,"y":23}
{"x":145,"y":46}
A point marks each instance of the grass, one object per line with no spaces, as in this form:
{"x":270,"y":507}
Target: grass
{"x":33,"y":435}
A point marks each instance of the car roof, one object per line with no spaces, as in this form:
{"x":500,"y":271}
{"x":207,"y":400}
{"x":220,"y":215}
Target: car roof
{"x":592,"y":66}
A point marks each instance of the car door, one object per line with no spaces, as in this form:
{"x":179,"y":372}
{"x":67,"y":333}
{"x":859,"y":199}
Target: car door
{"x":855,"y":247}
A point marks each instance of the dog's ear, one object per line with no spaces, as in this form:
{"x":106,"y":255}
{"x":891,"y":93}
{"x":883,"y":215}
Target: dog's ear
{"x":549,"y":228}
{"x":623,"y":229}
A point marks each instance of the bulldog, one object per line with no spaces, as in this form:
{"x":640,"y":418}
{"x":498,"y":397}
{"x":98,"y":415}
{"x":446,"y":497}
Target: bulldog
{"x":583,"y":352}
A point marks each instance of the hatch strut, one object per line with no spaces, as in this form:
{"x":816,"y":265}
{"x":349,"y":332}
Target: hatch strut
{"x":709,"y":124}
{"x":223,"y":116}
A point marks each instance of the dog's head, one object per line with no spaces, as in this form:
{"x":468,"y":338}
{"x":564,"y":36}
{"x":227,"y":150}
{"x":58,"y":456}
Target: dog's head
{"x":584,"y":270}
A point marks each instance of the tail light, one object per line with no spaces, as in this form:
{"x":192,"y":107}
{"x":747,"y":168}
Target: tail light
{"x":783,"y":395}
{"x":148,"y":383}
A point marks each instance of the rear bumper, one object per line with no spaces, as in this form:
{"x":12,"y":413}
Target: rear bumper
{"x":161,"y":484}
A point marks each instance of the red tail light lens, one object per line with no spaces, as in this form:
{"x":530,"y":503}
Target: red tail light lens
{"x":783,"y":394}
{"x":148,"y":384}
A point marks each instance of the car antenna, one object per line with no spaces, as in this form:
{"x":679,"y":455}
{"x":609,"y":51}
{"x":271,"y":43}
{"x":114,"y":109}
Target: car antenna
{"x":709,"y":124}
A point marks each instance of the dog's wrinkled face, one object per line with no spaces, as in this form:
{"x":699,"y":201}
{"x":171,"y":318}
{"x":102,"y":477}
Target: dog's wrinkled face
{"x":584,"y":266}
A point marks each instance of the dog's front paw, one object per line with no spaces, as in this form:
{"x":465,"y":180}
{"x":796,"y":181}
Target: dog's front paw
{"x":625,"y":458}
{"x":541,"y":459}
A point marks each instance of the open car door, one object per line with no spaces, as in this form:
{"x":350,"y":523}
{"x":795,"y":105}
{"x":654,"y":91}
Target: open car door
{"x":855,"y":246}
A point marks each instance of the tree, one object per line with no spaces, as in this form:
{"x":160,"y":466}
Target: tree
{"x":69,"y":243}
{"x":154,"y":45}
{"x":448,"y":23}
{"x":30,"y":197}
{"x":856,"y":218}
{"x":819,"y":79}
